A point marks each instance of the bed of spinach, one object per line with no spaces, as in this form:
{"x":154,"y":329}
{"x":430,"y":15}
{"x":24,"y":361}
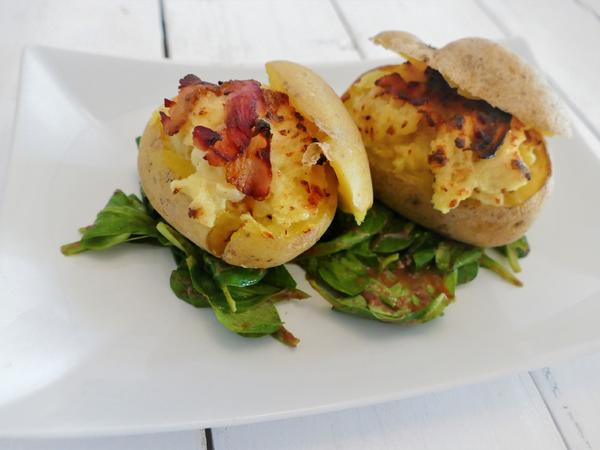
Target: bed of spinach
{"x":392,"y":270}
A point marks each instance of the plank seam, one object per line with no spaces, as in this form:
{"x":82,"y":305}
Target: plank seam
{"x":548,"y":408}
{"x":587,"y":8}
{"x":210,"y":445}
{"x":546,"y":371}
{"x":163,"y":28}
{"x":347,"y":28}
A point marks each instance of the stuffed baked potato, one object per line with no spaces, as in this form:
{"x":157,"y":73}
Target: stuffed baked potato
{"x":250,"y":172}
{"x":455,"y":137}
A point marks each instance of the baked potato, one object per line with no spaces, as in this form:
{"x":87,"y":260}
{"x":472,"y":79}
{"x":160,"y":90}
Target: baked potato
{"x":251,"y":173}
{"x":455,"y":136}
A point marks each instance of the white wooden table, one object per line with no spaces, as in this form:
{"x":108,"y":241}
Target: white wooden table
{"x":553,"y":408}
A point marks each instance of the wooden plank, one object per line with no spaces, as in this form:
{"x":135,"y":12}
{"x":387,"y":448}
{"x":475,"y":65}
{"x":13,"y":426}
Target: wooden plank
{"x":259,"y":30}
{"x":436,"y":22}
{"x":193,"y":440}
{"x":563,"y":36}
{"x":506,"y":414}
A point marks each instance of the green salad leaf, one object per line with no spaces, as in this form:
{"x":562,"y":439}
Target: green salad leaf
{"x":123,"y":219}
{"x":392,"y":270}
{"x":514,"y":251}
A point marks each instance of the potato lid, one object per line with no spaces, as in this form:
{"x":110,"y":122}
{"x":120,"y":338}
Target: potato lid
{"x":344,"y":149}
{"x":484,"y":69}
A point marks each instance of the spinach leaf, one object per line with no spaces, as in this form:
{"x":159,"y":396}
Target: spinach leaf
{"x":468,"y":272}
{"x":451,"y":255}
{"x":348,"y":234}
{"x":397,"y":235}
{"x":280,"y":277}
{"x":514,"y":251}
{"x":423,"y":257}
{"x":260,"y":320}
{"x":123,"y":219}
{"x":181,"y":285}
{"x":344,"y":272}
{"x":493,"y":265}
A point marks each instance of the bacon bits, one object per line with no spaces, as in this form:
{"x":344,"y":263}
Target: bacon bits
{"x":204,"y":137}
{"x":190,"y":89}
{"x":243,"y":147}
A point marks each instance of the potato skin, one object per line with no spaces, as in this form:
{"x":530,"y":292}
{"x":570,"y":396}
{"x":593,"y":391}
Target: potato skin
{"x":471,"y":221}
{"x":249,"y":246}
{"x":345,"y":151}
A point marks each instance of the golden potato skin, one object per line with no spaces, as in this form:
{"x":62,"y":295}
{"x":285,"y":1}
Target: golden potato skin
{"x":344,"y":149}
{"x":249,"y":246}
{"x":156,"y":177}
{"x":471,"y":222}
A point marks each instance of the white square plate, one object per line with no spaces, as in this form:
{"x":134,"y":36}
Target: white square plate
{"x":97,"y":343}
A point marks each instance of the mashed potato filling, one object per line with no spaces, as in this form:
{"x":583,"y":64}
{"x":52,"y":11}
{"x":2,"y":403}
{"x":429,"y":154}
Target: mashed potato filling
{"x":208,"y":190}
{"x":297,"y":185}
{"x":458,"y":147}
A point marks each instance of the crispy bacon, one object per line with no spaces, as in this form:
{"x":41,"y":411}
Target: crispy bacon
{"x":251,"y":172}
{"x":204,"y":137}
{"x":190,"y":89}
{"x":243,"y":147}
{"x":190,"y":80}
{"x":490,"y":124}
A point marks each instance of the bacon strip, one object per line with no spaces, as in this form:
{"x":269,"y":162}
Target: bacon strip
{"x":251,"y":172}
{"x":204,"y":137}
{"x":190,"y":89}
{"x":243,"y":147}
